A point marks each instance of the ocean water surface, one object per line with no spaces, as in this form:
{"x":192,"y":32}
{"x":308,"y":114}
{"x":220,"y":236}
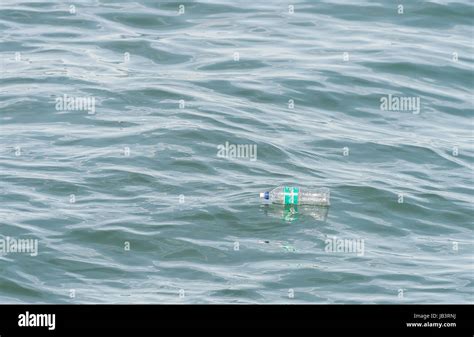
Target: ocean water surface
{"x":113,"y":115}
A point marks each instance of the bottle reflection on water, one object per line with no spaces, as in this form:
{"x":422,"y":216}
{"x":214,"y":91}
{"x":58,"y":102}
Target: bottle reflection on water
{"x":291,"y":213}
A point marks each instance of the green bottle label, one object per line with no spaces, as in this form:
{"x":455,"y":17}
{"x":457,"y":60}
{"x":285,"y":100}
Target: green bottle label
{"x":291,"y":195}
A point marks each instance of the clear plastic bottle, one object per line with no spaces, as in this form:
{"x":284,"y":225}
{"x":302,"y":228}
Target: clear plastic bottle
{"x":289,"y":195}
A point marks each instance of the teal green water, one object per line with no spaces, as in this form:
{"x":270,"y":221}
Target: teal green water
{"x":132,"y":202}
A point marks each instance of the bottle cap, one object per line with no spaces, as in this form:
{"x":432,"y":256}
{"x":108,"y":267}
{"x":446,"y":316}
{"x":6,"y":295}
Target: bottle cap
{"x":262,"y":195}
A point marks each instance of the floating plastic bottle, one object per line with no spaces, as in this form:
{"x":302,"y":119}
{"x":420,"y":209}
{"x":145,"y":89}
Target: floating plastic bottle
{"x":289,"y":195}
